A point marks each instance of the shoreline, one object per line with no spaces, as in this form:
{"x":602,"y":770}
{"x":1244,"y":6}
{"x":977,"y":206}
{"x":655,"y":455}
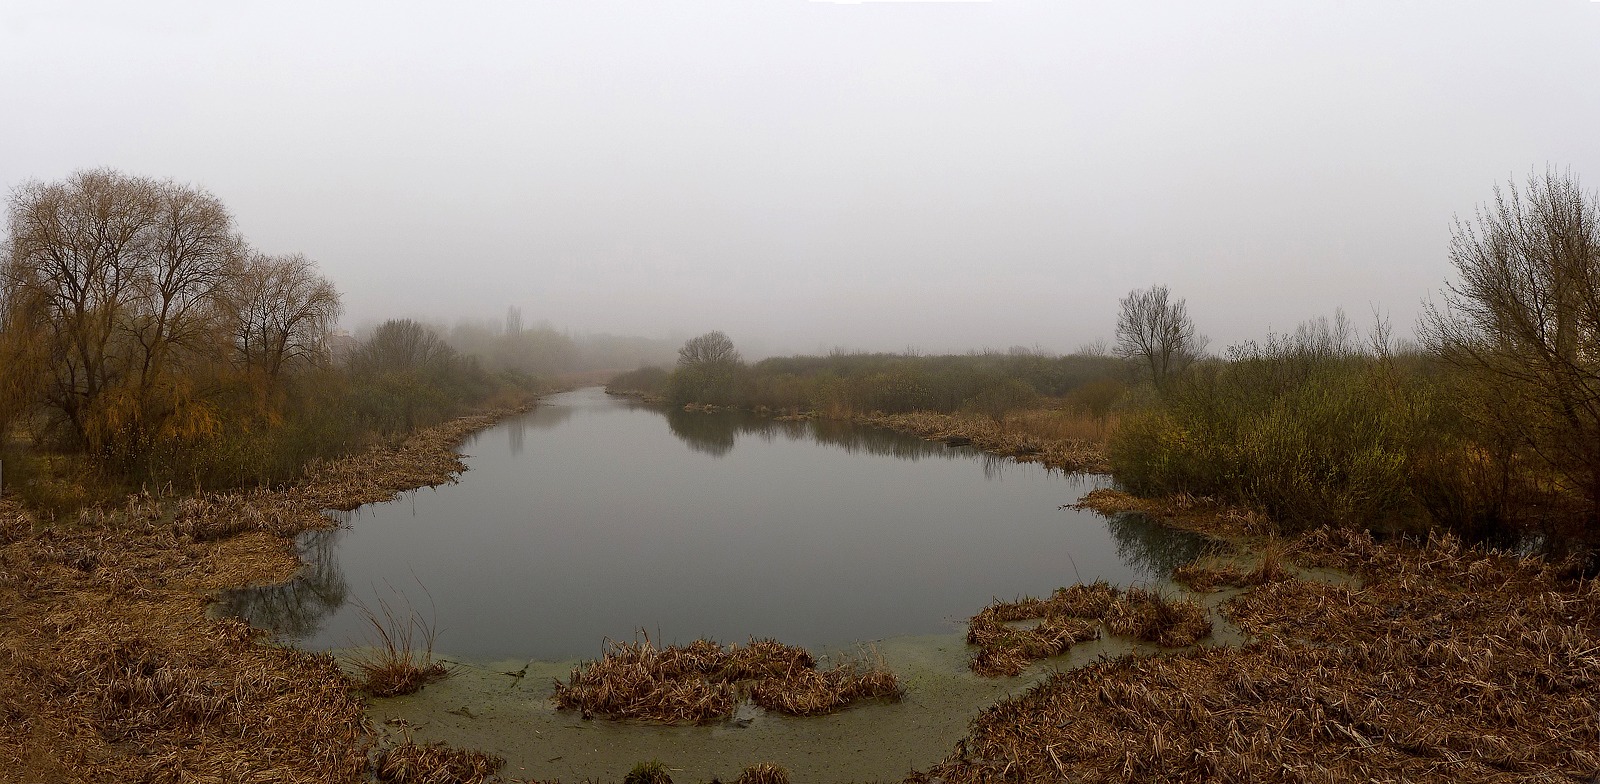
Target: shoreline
{"x":112,"y":669}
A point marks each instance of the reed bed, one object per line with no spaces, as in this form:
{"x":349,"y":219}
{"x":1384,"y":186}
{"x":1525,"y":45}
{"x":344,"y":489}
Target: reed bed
{"x":1020,"y":442}
{"x":1076,"y":614}
{"x":703,"y":682}
{"x":1449,"y":663}
{"x":1201,"y":515}
{"x":109,"y":669}
{"x":410,"y":763}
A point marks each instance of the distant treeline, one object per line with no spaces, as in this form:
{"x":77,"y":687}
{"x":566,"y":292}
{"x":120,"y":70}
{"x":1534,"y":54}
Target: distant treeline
{"x":542,"y":350}
{"x":844,"y":384}
{"x":143,"y":341}
{"x":1489,"y":426}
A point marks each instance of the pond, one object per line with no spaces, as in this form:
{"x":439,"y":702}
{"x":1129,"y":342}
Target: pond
{"x":593,"y":517}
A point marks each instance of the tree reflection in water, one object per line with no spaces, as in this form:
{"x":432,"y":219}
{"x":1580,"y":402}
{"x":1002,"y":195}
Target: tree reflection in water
{"x":1151,"y":547}
{"x":716,"y":434}
{"x":295,"y":610}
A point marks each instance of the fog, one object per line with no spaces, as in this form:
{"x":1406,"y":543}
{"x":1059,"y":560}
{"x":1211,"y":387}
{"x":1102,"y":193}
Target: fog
{"x":940,"y":176}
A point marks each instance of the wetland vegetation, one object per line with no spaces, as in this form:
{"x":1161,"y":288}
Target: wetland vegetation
{"x":1451,"y":486}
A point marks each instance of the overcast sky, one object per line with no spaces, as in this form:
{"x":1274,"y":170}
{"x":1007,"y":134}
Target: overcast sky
{"x":804,"y":174}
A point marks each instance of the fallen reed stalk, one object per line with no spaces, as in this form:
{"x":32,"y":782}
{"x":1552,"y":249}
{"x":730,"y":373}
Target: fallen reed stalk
{"x":703,"y":682}
{"x":1073,"y":615}
{"x":410,"y":763}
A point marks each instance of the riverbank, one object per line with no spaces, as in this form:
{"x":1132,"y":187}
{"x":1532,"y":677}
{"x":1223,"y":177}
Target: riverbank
{"x":110,"y":669}
{"x":1443,"y":663}
{"x":1056,"y":439}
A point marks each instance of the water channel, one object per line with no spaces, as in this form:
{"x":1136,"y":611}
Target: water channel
{"x":593,"y":517}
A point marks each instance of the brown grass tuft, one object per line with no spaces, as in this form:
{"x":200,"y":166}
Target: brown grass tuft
{"x":702,"y":681}
{"x":763,"y":773}
{"x":1148,"y":616}
{"x":409,"y":763}
{"x":400,"y":659}
{"x":1012,"y":635}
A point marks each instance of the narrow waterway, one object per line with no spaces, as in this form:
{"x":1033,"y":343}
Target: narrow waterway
{"x":592,"y":517}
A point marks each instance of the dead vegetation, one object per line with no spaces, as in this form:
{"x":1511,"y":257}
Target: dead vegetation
{"x":1202,"y":515}
{"x":1029,"y":441}
{"x":1012,"y":635}
{"x":703,"y":681}
{"x":763,"y":773}
{"x":1206,"y":575}
{"x":110,"y":669}
{"x":410,"y":763}
{"x":399,"y":657}
{"x":1449,"y":663}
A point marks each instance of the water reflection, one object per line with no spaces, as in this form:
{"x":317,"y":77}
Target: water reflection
{"x":711,"y":434}
{"x":717,"y":433}
{"x":1151,"y":547}
{"x":818,"y":533}
{"x":295,"y":610}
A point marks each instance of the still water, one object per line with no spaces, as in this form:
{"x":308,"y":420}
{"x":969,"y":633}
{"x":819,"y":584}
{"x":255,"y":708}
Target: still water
{"x":593,"y":517}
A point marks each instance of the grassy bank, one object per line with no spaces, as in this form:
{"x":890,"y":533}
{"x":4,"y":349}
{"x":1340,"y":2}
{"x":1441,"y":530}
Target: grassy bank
{"x":110,"y":669}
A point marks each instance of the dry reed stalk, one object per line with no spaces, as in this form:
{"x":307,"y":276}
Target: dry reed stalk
{"x":399,"y":659}
{"x":702,"y":682}
{"x":409,"y":763}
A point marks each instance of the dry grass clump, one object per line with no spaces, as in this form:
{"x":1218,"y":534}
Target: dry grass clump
{"x":702,"y":681}
{"x":1147,"y":615}
{"x":763,"y":773}
{"x":1023,"y":443}
{"x":811,"y":692}
{"x":1068,"y":616}
{"x":1271,"y":566}
{"x":400,"y":657}
{"x":1448,"y":664}
{"x":1203,"y":515}
{"x":652,"y":772}
{"x":215,"y":516}
{"x":409,"y":763}
{"x":1073,"y":615}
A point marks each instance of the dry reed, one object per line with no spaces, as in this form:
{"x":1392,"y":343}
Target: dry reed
{"x":409,"y":763}
{"x":1448,"y":664}
{"x":1072,"y":615}
{"x":399,"y":658}
{"x":763,"y":773}
{"x":702,"y":682}
{"x":109,"y":669}
{"x":1023,"y":443}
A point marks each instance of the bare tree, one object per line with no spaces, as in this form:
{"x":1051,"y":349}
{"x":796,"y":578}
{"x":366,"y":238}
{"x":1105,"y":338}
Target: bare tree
{"x":712,"y":348}
{"x":1157,"y":333}
{"x":286,"y":311}
{"x":1525,"y":317}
